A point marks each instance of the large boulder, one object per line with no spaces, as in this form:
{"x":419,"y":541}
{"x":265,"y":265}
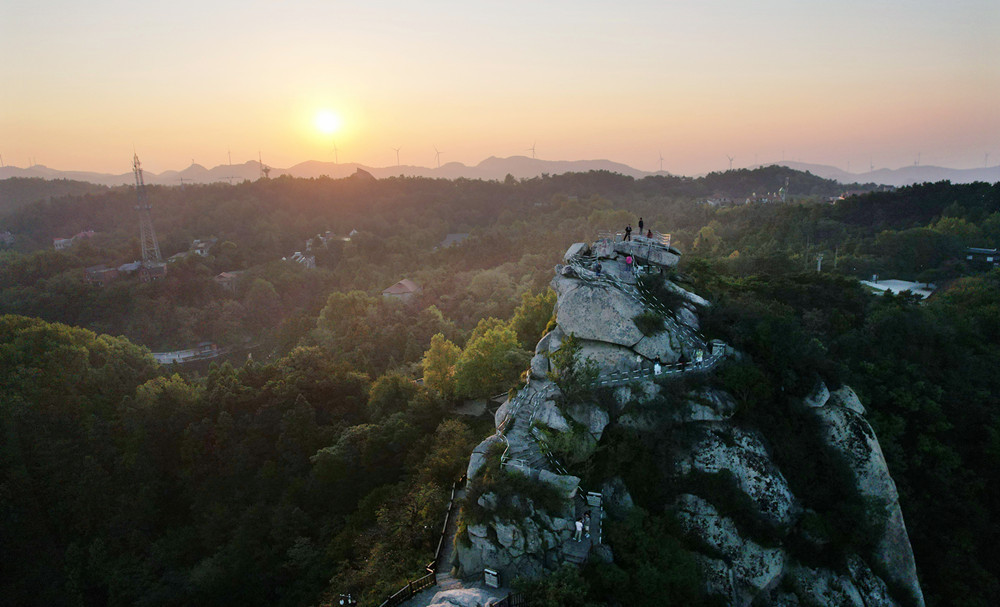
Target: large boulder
{"x":706,"y":405}
{"x":590,"y":416}
{"x":663,"y":347}
{"x":510,"y":537}
{"x":713,"y":447}
{"x":688,"y":295}
{"x":478,"y":457}
{"x":752,"y":567}
{"x":550,"y":342}
{"x":539,"y":366}
{"x":818,"y":397}
{"x":615,"y":498}
{"x":598,"y":312}
{"x":609,"y":358}
{"x":565,"y":484}
{"x":648,"y":253}
{"x":845,"y":397}
{"x":575,"y":249}
{"x":549,"y":415}
{"x":474,"y":596}
{"x":847,"y":431}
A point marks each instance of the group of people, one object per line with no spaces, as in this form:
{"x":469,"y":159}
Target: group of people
{"x":582,"y":527}
{"x":628,"y":231}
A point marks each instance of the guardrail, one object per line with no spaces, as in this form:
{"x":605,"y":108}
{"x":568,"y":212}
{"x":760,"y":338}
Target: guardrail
{"x":430,"y":578}
{"x":659,"y":238}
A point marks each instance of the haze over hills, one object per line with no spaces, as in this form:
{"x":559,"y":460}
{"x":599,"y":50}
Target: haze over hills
{"x":907,"y":175}
{"x":521,"y":167}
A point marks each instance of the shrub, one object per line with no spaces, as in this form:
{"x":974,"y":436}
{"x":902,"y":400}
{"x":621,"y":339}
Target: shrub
{"x":649,"y":323}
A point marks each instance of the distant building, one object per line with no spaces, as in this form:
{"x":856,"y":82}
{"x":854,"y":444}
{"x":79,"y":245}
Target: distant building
{"x":896,"y":287}
{"x":100,"y":275}
{"x":61,"y":244}
{"x":227,"y":280}
{"x":983,"y":258}
{"x":452,"y":239}
{"x":403,"y":290}
{"x":178,"y":256}
{"x":201,"y":247}
{"x":152,"y":272}
{"x":128,"y":268}
{"x":308,"y":261}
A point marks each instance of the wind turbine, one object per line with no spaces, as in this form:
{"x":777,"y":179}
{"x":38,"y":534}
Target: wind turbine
{"x":730,"y":161}
{"x":986,"y":163}
{"x":437,"y":155}
{"x":336,"y":157}
{"x":871,"y":165}
{"x":661,"y":162}
{"x":531,"y":149}
{"x":397,"y":156}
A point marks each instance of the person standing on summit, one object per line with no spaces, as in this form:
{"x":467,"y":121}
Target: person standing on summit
{"x":628,"y":233}
{"x":640,"y":226}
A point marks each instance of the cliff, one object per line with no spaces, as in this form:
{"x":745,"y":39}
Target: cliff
{"x":626,"y":359}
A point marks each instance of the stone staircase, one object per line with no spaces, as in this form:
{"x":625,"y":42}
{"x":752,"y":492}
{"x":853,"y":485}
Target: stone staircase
{"x":524,"y":449}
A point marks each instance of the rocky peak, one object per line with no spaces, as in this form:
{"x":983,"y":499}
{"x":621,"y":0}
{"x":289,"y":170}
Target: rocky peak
{"x":634,"y":341}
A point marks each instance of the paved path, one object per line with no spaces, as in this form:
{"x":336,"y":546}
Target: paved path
{"x":578,"y":551}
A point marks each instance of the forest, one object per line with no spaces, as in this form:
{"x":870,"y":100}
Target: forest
{"x":319,"y":465}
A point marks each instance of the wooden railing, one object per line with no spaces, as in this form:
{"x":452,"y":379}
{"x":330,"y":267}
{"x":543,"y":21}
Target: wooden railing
{"x":430,"y":578}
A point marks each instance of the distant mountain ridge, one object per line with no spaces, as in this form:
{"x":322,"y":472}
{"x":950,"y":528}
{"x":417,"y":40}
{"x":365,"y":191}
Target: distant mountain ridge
{"x":520,"y":167}
{"x":903,"y":176}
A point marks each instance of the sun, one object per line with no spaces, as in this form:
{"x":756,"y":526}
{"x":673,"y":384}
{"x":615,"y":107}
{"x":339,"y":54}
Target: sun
{"x":327,"y":122}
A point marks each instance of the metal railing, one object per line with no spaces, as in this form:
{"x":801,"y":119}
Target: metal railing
{"x":658,"y":238}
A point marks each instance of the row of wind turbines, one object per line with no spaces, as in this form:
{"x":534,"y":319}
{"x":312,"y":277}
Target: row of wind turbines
{"x":437,"y":155}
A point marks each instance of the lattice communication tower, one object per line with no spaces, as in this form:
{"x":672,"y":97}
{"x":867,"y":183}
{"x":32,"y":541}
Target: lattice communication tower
{"x":150,"y":247}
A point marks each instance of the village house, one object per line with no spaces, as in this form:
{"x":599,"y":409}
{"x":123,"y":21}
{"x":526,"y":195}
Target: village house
{"x":982,"y":258}
{"x":403,"y":290}
{"x":227,"y":280}
{"x":61,"y":244}
{"x":100,"y":275}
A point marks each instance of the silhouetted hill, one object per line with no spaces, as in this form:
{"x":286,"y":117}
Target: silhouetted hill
{"x":521,"y":167}
{"x":19,"y":191}
{"x":907,"y":175}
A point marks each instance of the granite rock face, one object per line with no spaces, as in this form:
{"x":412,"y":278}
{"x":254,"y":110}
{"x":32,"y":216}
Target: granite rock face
{"x":747,"y":530}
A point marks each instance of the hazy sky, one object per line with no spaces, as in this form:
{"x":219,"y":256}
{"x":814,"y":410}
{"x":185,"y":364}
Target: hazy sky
{"x":827,"y":82}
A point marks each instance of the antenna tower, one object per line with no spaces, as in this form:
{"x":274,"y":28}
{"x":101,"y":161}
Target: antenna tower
{"x":264,"y":169}
{"x":531,"y":149}
{"x":147,"y":236}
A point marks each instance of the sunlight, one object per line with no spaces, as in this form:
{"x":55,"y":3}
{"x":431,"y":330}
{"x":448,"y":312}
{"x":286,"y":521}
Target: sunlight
{"x":327,"y":122}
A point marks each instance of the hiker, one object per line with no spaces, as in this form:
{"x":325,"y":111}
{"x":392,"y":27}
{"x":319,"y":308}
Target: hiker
{"x":628,"y":233}
{"x":586,"y":523}
{"x":579,"y":530}
{"x":597,"y":268}
{"x":640,"y":225}
{"x":649,"y":234}
{"x":628,"y":263}
{"x":656,"y":369}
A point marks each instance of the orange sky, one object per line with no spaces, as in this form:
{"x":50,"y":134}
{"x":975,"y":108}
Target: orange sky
{"x":856,"y":82}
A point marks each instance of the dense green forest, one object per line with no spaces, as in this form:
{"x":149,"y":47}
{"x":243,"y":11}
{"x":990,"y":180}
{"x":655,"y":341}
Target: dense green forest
{"x":320,"y":466}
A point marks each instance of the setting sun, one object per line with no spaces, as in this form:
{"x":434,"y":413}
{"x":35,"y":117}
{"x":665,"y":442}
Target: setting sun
{"x":327,"y":122}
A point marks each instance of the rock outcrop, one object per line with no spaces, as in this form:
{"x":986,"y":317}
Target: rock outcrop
{"x":754,"y":532}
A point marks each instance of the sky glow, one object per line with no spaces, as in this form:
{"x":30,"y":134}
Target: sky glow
{"x":848,"y":83}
